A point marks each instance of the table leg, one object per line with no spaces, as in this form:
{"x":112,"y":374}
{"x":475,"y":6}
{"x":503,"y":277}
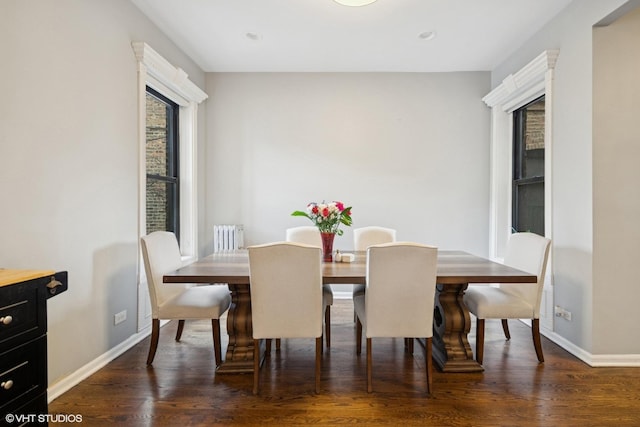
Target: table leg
{"x":239,"y":356}
{"x":451,"y":326}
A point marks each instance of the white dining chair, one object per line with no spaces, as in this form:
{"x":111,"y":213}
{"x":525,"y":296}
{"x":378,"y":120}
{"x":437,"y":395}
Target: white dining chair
{"x":399,"y":298}
{"x":179,"y":301}
{"x":286,"y":297}
{"x":527,"y":252}
{"x":364,"y":237}
{"x":310,"y":235}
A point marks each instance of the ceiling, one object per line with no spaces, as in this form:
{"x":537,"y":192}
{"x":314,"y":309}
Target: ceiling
{"x":323,"y":36}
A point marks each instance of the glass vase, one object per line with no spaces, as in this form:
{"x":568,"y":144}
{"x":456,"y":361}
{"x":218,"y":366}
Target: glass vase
{"x":327,"y":246}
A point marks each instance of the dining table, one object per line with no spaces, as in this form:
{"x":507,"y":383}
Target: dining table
{"x":452,"y":320}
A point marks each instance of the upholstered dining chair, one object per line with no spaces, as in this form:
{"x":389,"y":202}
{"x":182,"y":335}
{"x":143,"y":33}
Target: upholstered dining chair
{"x":399,"y":298}
{"x":180,"y":301}
{"x":286,"y":297}
{"x":364,"y":237}
{"x":310,"y":235}
{"x":527,"y":252}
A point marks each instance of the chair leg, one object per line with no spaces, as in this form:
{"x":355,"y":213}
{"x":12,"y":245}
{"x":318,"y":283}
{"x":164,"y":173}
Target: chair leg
{"x":408,"y":344}
{"x":429,"y":364}
{"x":537,"y":343}
{"x":180,"y":328}
{"x":155,"y":336}
{"x":217,"y":344}
{"x":479,"y":340}
{"x":369,"y":367}
{"x":327,"y":325}
{"x":358,"y":336}
{"x":256,"y":365}
{"x":505,"y":328}
{"x":278,"y":342}
{"x":318,"y":362}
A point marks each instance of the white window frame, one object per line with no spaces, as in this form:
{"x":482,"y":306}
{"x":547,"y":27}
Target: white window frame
{"x":158,"y":73}
{"x":516,"y":90}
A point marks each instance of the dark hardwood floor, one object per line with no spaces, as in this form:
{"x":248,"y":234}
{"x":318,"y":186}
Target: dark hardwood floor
{"x":181,"y":389}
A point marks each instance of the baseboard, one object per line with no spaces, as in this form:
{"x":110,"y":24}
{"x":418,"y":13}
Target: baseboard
{"x":67,"y":383}
{"x":342,"y":294}
{"x":593,"y":360}
{"x":616,"y":360}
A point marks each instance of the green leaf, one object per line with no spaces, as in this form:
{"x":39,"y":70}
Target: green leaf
{"x":346,"y":219}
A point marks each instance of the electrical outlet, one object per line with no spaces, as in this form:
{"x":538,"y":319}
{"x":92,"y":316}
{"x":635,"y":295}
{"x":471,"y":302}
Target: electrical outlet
{"x":561,"y":312}
{"x":120,"y":317}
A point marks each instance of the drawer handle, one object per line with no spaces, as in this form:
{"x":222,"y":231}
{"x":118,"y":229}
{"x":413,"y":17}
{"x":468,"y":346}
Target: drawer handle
{"x":6,"y":320}
{"x":6,"y":384}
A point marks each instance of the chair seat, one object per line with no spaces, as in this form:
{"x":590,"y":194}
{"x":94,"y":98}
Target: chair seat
{"x":197,"y":302}
{"x":488,"y":302}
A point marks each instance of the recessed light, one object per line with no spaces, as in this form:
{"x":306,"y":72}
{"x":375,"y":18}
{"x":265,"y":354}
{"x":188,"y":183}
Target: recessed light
{"x":427,"y":35}
{"x":253,"y":36}
{"x":354,"y":2}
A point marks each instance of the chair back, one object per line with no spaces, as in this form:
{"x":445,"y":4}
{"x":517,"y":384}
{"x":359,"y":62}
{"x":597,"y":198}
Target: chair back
{"x":399,"y":297}
{"x":367,"y":236}
{"x":161,"y":254}
{"x":307,"y":234}
{"x":528,"y":252}
{"x":286,"y":290}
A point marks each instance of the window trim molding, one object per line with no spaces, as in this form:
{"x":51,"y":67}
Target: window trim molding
{"x":524,"y":84}
{"x":173,"y":78}
{"x":530,"y":82}
{"x":173,"y":82}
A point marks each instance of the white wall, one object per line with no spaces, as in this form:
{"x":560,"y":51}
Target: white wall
{"x":408,"y":151}
{"x":616,"y":150}
{"x":573,"y":192}
{"x":69,"y":161}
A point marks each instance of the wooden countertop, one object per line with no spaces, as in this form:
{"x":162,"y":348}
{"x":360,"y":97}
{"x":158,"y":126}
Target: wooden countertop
{"x":11,"y":277}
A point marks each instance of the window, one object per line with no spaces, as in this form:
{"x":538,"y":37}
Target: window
{"x":162,"y":184}
{"x":174,"y":178}
{"x":528,"y":168}
{"x":519,"y":90}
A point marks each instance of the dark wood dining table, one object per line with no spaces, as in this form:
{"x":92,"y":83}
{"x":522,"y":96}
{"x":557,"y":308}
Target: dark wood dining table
{"x":451,"y":325}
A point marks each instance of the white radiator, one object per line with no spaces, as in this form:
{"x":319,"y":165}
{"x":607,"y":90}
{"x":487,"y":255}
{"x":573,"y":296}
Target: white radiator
{"x":228,"y":237}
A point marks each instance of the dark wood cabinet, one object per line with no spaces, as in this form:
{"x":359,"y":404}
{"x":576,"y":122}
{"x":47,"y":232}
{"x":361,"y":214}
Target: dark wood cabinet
{"x":23,"y":343}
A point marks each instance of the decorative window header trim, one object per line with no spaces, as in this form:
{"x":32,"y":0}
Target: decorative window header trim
{"x":172,"y":77}
{"x":526,"y":79}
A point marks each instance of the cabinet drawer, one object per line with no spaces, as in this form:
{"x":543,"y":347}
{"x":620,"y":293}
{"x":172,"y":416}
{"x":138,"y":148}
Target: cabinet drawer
{"x":22,"y":312}
{"x":29,"y":414}
{"x":23,"y":373}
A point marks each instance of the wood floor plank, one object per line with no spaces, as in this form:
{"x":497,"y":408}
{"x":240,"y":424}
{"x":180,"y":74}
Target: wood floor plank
{"x":182,"y":389}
